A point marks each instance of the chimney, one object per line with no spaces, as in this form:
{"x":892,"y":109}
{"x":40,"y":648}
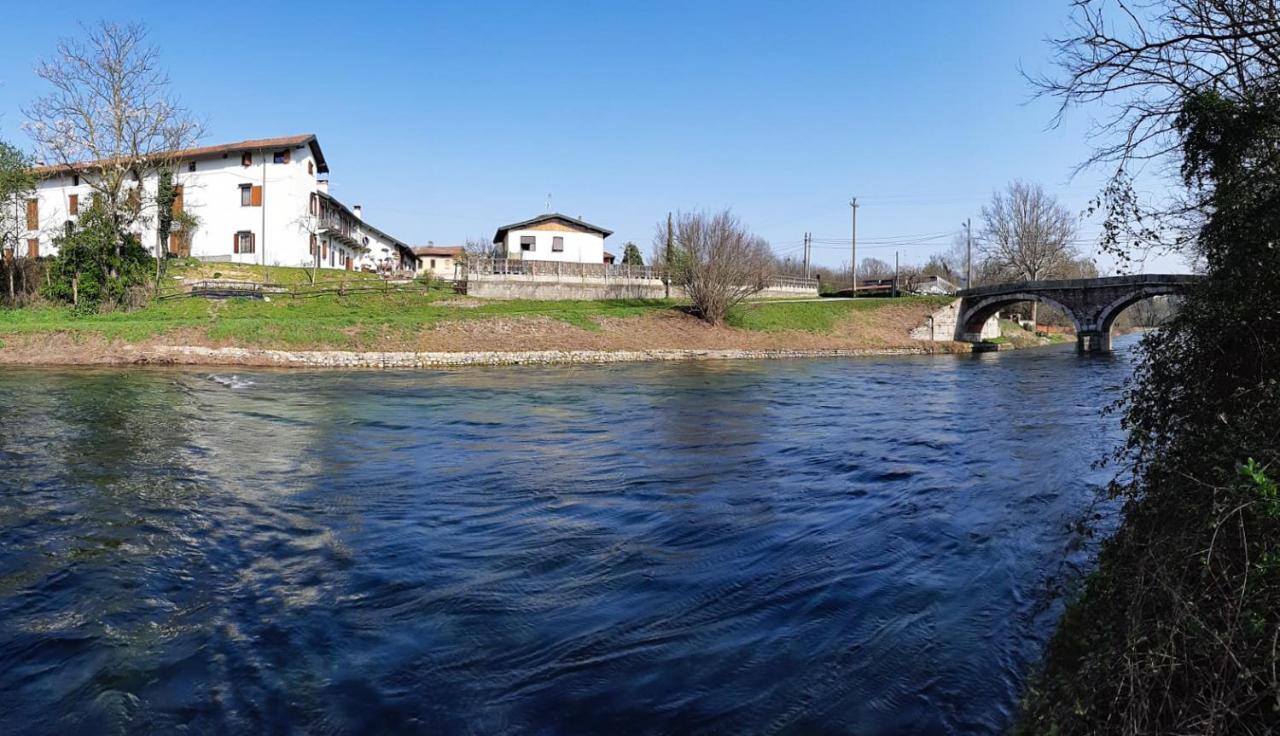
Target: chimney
{"x":359,"y":212}
{"x":323,"y":186}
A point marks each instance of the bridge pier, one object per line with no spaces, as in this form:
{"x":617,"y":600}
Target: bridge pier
{"x":1094,"y":341}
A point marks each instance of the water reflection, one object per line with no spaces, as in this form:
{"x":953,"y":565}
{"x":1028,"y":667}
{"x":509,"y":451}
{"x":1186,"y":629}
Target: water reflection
{"x":785,"y":547}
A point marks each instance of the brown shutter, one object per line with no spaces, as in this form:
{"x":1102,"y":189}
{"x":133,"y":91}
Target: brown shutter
{"x":73,"y":204}
{"x":255,"y":196}
{"x":286,"y":155}
{"x":33,"y":214}
{"x":235,"y":242}
{"x":177,"y":200}
{"x":253,"y":242}
{"x":33,"y":248}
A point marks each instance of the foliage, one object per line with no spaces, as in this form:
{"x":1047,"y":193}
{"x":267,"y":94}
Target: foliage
{"x":1177,"y":630}
{"x":631,"y":255}
{"x":97,"y":265}
{"x":17,"y":183}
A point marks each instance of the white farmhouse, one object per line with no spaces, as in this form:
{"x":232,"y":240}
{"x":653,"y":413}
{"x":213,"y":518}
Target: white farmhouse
{"x":440,"y":261}
{"x":258,"y":201}
{"x":552,"y":237}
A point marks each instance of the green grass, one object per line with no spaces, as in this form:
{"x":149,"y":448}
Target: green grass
{"x":814,"y":316}
{"x":358,"y":319}
{"x":372,"y":319}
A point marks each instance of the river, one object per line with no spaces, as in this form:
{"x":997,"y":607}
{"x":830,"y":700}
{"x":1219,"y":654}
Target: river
{"x":797,"y":546}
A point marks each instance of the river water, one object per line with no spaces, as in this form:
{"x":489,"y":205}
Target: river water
{"x":808,"y":546}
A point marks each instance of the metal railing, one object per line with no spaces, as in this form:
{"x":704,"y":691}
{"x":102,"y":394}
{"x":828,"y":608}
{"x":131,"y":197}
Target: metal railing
{"x":569,"y":269}
{"x":566,"y":269}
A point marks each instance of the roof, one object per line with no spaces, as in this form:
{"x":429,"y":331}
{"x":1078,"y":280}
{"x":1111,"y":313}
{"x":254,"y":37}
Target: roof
{"x":446,"y":251}
{"x":364,"y":223}
{"x":291,"y":141}
{"x":497,"y":238}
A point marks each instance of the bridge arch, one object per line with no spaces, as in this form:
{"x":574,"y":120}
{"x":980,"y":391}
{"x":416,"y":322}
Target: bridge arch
{"x":975,"y":316}
{"x":1108,"y":314}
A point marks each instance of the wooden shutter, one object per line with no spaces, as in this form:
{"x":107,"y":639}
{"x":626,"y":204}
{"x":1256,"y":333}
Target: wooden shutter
{"x":33,"y":214}
{"x":73,"y":204}
{"x":177,"y":200}
{"x":255,"y":196}
{"x":246,"y":159}
{"x":253,"y":242}
{"x":235,"y":242}
{"x":33,"y":248}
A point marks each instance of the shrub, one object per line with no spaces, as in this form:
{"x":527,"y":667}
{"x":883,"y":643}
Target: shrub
{"x":96,"y":264}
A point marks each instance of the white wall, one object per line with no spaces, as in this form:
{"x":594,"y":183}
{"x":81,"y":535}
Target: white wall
{"x":212,"y":193}
{"x":579,"y":247}
{"x":444,"y":266}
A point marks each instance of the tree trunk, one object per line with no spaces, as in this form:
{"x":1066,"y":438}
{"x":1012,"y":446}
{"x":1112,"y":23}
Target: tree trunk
{"x":75,"y":290}
{"x":1034,"y":307}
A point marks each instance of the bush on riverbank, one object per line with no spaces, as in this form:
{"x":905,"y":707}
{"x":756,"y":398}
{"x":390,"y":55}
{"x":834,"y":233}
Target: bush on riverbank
{"x":1178,"y":631}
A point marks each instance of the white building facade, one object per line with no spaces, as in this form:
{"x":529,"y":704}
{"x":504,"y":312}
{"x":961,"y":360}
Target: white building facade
{"x":552,"y":237}
{"x":255,"y":202}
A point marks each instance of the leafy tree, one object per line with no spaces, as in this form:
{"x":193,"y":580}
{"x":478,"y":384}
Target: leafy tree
{"x":1176,"y":631}
{"x":17,"y":184}
{"x":93,"y":267}
{"x":631,"y":255}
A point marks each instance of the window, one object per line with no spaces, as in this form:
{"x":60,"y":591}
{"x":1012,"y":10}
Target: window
{"x":73,"y":204}
{"x":246,"y":195}
{"x":433,"y":263}
{"x":75,"y":180}
{"x":244,"y":242}
{"x":281,"y":157}
{"x":528,"y":243}
{"x":315,"y":204}
{"x":33,"y":214}
{"x":246,"y":159}
{"x":191,"y":166}
{"x":311,"y":168}
{"x":557,"y":244}
{"x":315,"y":246}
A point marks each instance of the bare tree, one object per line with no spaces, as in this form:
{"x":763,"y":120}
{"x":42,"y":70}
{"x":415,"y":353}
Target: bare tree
{"x":874,"y":269}
{"x":1027,"y":235}
{"x":1143,"y":61}
{"x":110,"y":118}
{"x":725,"y":262}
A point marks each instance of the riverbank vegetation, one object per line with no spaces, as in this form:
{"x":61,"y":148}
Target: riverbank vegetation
{"x":434,"y":318}
{"x":1178,"y":630}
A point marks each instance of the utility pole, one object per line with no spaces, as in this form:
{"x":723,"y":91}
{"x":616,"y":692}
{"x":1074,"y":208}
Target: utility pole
{"x":895,"y":274}
{"x":807,"y":239}
{"x":667,"y":271}
{"x":968,"y":254}
{"x":266,"y":270}
{"x":853,"y":232}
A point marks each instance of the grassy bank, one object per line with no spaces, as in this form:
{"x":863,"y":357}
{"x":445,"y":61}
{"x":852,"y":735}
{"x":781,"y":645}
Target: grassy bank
{"x":417,"y":317}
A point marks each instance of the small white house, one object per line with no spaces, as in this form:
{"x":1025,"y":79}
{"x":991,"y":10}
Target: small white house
{"x":552,"y":237}
{"x":263,"y":201}
{"x":438,"y":260}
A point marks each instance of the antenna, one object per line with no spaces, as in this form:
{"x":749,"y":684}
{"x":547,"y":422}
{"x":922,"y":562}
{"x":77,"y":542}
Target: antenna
{"x":548,"y":201}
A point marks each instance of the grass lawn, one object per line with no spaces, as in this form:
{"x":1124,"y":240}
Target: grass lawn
{"x":368,"y":319}
{"x":816,"y":316}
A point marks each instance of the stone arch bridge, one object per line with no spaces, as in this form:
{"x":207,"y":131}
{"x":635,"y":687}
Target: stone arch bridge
{"x":1093,"y":304}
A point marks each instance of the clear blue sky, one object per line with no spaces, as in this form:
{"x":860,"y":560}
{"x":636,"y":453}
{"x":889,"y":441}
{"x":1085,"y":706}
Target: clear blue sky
{"x":448,"y":119}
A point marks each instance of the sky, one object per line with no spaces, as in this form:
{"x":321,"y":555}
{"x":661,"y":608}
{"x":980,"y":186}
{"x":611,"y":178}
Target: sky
{"x":446,"y":120}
